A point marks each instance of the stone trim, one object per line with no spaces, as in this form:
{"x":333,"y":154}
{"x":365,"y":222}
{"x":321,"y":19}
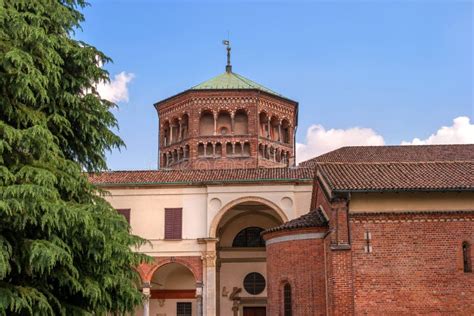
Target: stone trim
{"x":295,"y":237}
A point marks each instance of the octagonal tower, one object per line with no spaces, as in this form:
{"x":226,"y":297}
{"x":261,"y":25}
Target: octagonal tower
{"x":227,"y":122}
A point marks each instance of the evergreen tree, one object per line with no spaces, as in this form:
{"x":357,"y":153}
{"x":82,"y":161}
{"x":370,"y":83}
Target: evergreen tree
{"x":63,"y":249}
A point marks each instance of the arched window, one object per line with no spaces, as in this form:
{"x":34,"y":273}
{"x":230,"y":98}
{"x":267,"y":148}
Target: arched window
{"x":206,"y":123}
{"x":466,"y":255}
{"x":249,"y":237}
{"x":241,"y":123}
{"x":287,"y":299}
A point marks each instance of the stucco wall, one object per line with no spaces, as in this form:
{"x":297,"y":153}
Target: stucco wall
{"x":415,"y":201}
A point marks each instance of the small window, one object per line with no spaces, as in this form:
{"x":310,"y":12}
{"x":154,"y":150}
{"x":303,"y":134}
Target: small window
{"x":184,"y":309}
{"x":254,"y":283}
{"x":249,"y":237}
{"x":287,"y":299}
{"x":173,"y":223}
{"x":466,"y":255}
{"x":125,"y":212}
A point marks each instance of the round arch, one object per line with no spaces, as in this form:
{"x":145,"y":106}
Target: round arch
{"x":147,"y":272}
{"x":217,"y":219}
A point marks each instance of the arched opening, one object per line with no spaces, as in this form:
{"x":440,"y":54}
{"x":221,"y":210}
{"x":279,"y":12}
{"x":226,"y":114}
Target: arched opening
{"x":241,"y":122}
{"x":175,"y":156}
{"x":275,"y":132}
{"x":466,"y":255}
{"x":173,"y":291}
{"x":206,"y":124}
{"x":174,"y":134}
{"x":200,"y":150}
{"x":229,"y":152}
{"x":184,"y":126}
{"x":264,"y":128}
{"x":287,"y":308}
{"x":218,"y":150}
{"x":186,"y":152}
{"x":249,"y":237}
{"x":238,"y":149}
{"x":285,"y":130}
{"x":224,"y":123}
{"x":165,"y":160}
{"x":246,"y":151}
{"x":241,"y":252}
{"x":165,"y":132}
{"x":209,"y":152}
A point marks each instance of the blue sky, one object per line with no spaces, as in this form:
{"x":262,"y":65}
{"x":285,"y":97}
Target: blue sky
{"x":396,"y":70}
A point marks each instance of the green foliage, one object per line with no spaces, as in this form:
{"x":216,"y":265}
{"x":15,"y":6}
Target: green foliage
{"x":63,"y":249}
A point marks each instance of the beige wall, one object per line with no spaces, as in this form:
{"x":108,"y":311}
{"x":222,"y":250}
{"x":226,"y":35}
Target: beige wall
{"x":202,"y":207}
{"x":414,"y":201}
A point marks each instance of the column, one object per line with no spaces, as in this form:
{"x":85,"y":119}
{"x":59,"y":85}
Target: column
{"x":199,"y":309}
{"x":232,"y":124}
{"x":214,"y":150}
{"x":171,"y":134}
{"x":146,"y":299}
{"x":279,"y":131}
{"x":269,"y":129}
{"x":215,"y":123}
{"x":209,"y":266}
{"x":233,"y":149}
{"x":180,"y":129}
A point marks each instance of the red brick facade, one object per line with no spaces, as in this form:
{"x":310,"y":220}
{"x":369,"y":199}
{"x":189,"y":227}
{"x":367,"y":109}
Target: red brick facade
{"x":229,"y":129}
{"x":392,"y":263}
{"x":300,"y":263}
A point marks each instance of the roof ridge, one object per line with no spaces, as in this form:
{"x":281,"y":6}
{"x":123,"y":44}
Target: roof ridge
{"x":390,"y":162}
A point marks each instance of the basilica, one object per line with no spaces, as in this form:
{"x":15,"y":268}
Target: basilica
{"x":235,"y":227}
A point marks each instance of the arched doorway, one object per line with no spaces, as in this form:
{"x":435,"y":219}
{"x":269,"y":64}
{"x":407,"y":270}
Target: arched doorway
{"x":241,"y":256}
{"x":173,"y":291}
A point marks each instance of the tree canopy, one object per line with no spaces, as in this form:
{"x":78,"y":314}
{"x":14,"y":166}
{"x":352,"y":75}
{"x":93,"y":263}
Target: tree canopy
{"x":63,"y":249}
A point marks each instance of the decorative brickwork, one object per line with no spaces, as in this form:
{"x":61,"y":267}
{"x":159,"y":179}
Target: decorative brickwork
{"x":214,"y":129}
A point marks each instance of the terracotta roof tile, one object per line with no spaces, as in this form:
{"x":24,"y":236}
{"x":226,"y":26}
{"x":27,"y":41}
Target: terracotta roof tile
{"x":314,"y":218}
{"x":418,"y":153}
{"x":155,"y":177}
{"x":401,"y":176}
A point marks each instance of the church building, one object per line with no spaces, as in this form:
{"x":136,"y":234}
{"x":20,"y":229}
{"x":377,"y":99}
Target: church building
{"x":235,"y":228}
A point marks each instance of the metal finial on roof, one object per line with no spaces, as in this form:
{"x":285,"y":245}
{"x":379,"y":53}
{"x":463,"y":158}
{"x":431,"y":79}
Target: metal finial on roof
{"x":228,"y":67}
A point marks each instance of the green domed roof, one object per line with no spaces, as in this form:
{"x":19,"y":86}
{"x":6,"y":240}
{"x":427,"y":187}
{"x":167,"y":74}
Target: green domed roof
{"x":231,"y":80}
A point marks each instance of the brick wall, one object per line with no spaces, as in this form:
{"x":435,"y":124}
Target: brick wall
{"x":415,"y":266}
{"x":301,"y":264}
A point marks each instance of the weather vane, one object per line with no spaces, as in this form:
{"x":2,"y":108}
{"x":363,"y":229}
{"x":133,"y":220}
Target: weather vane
{"x":228,"y":67}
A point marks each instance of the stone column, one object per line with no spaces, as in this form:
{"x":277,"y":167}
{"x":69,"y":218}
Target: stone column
{"x":215,"y":123}
{"x":146,"y":299}
{"x":209,"y":267}
{"x":199,"y":309}
{"x":180,"y":129}
{"x":232,"y":123}
{"x":214,"y":150}
{"x":171,"y":134}
{"x":269,"y":134}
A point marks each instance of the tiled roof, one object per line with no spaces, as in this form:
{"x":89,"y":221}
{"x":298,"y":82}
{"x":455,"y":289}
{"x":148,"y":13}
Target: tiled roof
{"x":196,"y":177}
{"x":314,"y":218}
{"x":401,"y":176}
{"x":231,"y":80}
{"x":418,"y":153}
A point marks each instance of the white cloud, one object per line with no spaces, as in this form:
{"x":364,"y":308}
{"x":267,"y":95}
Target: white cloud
{"x":461,"y":132}
{"x":117,"y":89}
{"x":319,"y":140}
